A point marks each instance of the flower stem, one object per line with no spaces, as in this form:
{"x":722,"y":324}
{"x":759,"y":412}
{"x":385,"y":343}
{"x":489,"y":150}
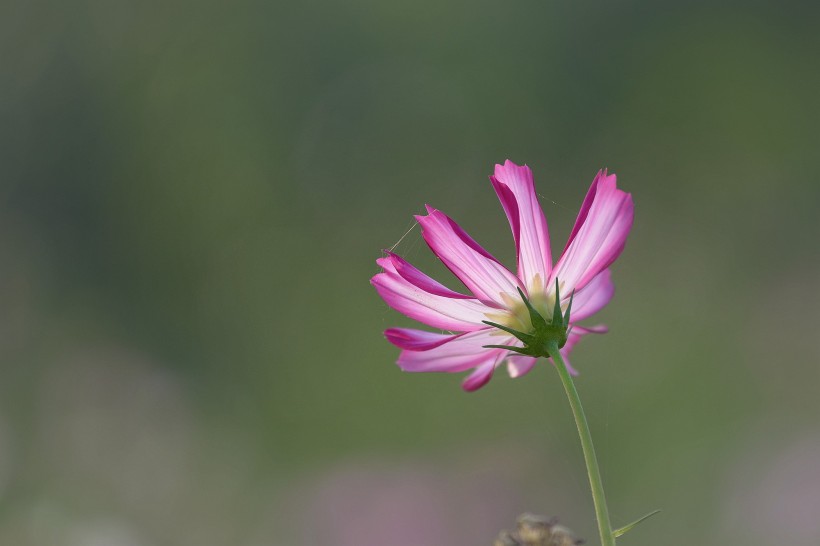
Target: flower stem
{"x":595,"y":483}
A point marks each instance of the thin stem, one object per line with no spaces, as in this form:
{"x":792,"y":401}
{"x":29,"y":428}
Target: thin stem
{"x":595,"y":483}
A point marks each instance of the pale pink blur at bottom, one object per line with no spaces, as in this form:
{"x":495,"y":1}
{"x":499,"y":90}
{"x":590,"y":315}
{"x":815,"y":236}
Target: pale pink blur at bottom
{"x":418,"y":504}
{"x":774,"y":494}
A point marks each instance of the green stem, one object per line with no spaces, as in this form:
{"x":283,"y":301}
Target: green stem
{"x":595,"y":483}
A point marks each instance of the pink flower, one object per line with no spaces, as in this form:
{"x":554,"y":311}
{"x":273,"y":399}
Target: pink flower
{"x":598,"y":237}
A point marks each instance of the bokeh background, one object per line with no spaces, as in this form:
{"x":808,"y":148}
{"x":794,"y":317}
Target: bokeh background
{"x":192,"y":197}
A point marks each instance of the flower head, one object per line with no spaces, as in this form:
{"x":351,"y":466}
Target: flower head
{"x":501,"y":305}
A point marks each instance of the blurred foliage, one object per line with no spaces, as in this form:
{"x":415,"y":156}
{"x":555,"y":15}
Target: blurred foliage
{"x":193,"y":194}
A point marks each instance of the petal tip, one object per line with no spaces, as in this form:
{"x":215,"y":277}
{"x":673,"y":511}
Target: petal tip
{"x":511,"y":168}
{"x":472,"y":384}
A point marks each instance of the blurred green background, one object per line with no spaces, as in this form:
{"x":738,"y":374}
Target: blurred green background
{"x":192,"y":197}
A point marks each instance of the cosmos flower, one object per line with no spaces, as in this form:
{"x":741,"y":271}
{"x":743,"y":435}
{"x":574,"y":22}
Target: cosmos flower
{"x":499,"y":301}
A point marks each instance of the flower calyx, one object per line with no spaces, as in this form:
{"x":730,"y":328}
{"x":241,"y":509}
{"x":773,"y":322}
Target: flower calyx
{"x":545,"y":333}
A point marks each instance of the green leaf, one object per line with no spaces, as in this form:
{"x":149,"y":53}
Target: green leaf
{"x":626,"y":528}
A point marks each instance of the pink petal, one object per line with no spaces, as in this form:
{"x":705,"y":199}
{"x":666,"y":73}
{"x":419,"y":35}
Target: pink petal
{"x":593,"y":297}
{"x":518,"y":365}
{"x":457,"y":355}
{"x":486,"y":278}
{"x":416,"y":340}
{"x":417,"y":278}
{"x":599,"y":234}
{"x":570,"y":369}
{"x":583,"y":330}
{"x":481,"y":376}
{"x":585,"y":206}
{"x":516,"y":191}
{"x":438,"y":311}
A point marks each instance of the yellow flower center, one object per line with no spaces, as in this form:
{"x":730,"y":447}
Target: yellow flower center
{"x":517,"y":316}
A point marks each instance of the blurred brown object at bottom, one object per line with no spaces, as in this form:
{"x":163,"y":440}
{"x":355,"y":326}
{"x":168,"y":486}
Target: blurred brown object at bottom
{"x":532,"y":530}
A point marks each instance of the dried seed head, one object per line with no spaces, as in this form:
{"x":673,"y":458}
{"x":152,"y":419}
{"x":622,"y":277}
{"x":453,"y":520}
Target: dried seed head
{"x":505,"y":538}
{"x":562,"y":536}
{"x":534,"y":530}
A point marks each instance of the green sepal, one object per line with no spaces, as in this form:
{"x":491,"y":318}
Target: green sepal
{"x":569,"y":307}
{"x":537,"y":342}
{"x":557,"y":319}
{"x":525,"y":338}
{"x":626,"y":528}
{"x":519,"y":350}
{"x":537,"y":320}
